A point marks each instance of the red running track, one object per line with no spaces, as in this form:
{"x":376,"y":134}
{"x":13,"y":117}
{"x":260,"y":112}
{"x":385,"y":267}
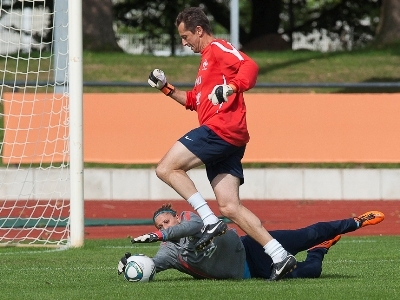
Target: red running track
{"x":274,"y":214}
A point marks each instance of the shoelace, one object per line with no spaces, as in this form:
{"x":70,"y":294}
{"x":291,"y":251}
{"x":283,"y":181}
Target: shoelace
{"x":366,"y":218}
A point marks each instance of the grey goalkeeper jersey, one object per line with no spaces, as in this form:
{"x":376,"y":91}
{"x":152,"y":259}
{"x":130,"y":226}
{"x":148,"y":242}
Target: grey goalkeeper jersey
{"x":224,"y":258}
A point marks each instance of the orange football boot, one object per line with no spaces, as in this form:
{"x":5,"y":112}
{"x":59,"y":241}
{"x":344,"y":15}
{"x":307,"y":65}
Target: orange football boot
{"x":369,"y":218}
{"x":327,"y":244}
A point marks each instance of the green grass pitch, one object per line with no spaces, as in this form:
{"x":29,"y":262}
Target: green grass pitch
{"x":355,"y":268}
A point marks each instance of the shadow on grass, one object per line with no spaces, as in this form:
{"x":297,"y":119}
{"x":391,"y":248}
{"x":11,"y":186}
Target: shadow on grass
{"x":265,"y":69}
{"x":314,"y":55}
{"x":188,"y":279}
{"x":334,"y":276}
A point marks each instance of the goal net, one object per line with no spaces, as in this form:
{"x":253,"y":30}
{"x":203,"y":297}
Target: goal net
{"x":36,"y":112}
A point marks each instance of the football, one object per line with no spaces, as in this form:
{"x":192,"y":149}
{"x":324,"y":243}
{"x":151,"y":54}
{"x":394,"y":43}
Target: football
{"x":139,"y":268}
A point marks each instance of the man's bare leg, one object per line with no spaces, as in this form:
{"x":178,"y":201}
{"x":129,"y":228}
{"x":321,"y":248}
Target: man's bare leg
{"x":226,"y":189}
{"x":172,"y":170}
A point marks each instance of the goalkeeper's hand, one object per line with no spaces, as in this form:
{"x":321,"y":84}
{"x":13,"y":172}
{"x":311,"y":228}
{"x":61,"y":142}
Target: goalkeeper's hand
{"x":122,"y":263}
{"x":158,"y":80}
{"x":148,"y":237}
{"x":220,"y":94}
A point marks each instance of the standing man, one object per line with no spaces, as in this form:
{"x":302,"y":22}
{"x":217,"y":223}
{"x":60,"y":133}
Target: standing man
{"x":220,"y":141}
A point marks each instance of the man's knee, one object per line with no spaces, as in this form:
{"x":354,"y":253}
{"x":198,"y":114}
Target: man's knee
{"x":229,"y":210}
{"x":162,"y":172}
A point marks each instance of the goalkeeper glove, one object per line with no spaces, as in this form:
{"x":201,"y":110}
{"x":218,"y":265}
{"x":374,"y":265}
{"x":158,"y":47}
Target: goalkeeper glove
{"x":220,"y":94}
{"x":148,"y":237}
{"x":122,"y":263}
{"x":158,"y":80}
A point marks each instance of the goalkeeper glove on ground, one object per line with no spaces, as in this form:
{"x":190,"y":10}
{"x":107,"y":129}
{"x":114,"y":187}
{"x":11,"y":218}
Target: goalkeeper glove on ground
{"x":220,"y":94}
{"x":148,"y":237}
{"x":158,"y":80}
{"x":122,"y":263}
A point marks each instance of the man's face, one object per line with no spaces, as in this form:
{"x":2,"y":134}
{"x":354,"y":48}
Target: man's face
{"x":165,"y":220}
{"x":189,"y":38}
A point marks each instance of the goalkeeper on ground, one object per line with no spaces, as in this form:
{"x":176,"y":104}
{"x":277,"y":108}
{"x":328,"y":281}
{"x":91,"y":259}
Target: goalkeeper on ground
{"x":232,"y":257}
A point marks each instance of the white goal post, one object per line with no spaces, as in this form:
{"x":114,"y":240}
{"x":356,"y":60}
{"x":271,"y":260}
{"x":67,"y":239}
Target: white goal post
{"x":41,"y":124}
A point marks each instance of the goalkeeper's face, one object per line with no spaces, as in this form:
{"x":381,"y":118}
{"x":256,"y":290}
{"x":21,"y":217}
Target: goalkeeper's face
{"x":166,"y":220}
{"x":190,"y":39}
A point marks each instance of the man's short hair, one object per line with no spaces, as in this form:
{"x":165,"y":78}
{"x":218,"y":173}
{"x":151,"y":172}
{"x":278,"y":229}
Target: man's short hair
{"x":192,"y":17}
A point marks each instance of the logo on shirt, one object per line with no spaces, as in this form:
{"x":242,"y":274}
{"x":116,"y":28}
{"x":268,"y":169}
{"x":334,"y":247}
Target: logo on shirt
{"x":205,"y":64}
{"x":198,"y":95}
{"x":198,"y":81}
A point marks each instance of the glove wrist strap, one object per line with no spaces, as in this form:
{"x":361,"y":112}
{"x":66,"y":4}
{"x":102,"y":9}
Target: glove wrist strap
{"x":168,"y":89}
{"x":159,"y":235}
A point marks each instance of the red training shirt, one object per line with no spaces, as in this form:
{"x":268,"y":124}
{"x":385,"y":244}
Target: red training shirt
{"x":221,"y":63}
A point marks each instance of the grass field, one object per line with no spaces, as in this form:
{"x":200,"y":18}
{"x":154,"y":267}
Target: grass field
{"x":366,"y":65}
{"x":355,"y":268}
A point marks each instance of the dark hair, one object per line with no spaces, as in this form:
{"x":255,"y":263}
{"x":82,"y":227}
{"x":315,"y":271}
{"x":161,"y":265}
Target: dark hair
{"x":192,"y":17}
{"x":165,"y":208}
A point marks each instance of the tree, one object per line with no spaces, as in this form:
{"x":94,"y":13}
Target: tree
{"x":263,"y":23}
{"x":153,"y":18}
{"x":258,"y":28}
{"x":97,"y":19}
{"x":45,"y":36}
{"x":97,"y":23}
{"x":269,"y":20}
{"x":388,"y":31}
{"x":357,"y":19}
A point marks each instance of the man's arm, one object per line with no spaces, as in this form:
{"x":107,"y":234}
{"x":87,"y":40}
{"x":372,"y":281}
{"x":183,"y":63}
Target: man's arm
{"x":158,"y":80}
{"x":246,"y":76}
{"x":179,"y":96}
{"x":231,"y":60}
